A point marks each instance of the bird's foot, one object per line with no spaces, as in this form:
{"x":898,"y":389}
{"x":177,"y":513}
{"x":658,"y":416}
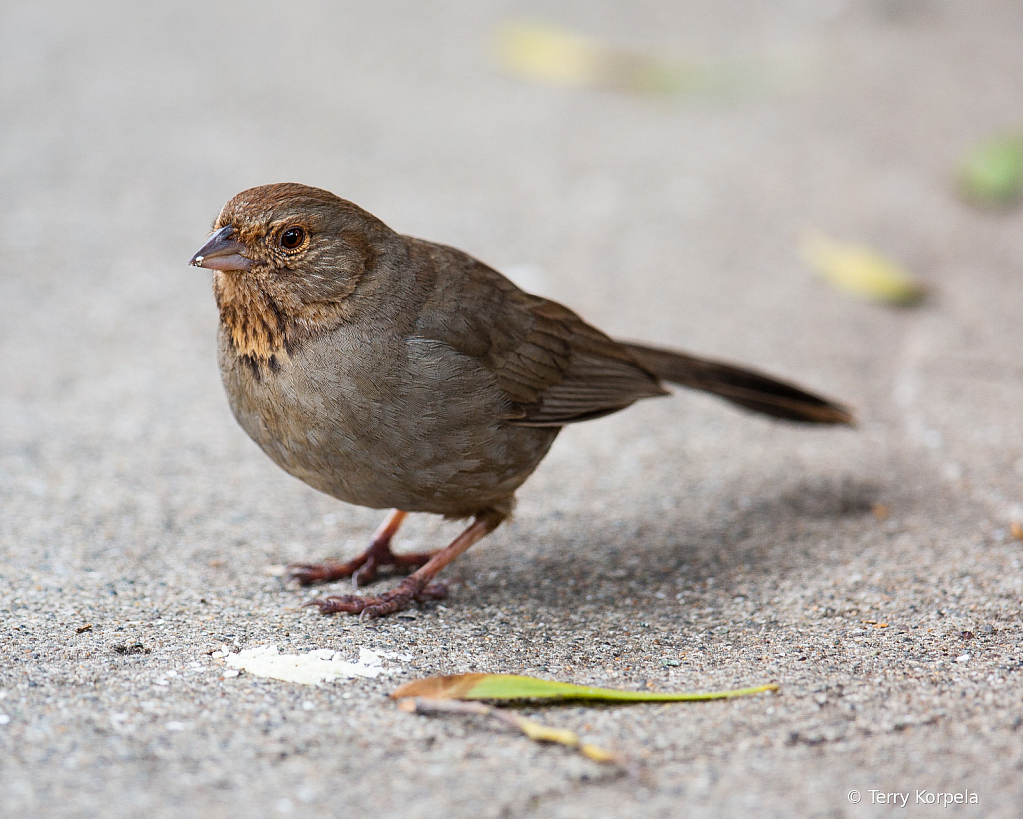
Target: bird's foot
{"x":411,"y":589}
{"x":305,"y":574}
{"x":366,"y":567}
{"x":363,"y":569}
{"x":419,"y":585}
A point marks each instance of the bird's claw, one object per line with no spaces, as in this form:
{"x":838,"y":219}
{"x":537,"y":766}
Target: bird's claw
{"x":398,"y":599}
{"x":363,"y":569}
{"x":306,"y":574}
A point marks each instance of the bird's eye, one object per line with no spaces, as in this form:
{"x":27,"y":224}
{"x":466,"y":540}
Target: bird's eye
{"x":292,"y":238}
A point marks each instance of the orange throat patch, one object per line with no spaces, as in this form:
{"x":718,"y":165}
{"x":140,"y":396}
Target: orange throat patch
{"x":258,"y":323}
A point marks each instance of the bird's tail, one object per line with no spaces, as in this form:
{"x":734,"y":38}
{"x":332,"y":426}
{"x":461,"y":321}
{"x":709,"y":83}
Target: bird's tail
{"x":747,"y":388}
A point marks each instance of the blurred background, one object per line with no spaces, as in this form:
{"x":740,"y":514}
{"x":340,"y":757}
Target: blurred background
{"x":824,"y":189}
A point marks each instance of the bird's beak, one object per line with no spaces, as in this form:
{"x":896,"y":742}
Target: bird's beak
{"x":221,"y":252}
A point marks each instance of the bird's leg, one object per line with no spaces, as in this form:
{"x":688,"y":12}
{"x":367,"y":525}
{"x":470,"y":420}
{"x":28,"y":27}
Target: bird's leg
{"x":416,"y":586}
{"x":364,"y":568}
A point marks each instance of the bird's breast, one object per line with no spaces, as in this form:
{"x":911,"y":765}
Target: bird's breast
{"x":384,"y":422}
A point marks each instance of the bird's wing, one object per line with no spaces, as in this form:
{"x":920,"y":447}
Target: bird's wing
{"x":553,"y":367}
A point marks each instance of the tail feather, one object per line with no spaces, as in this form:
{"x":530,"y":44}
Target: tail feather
{"x":747,"y":388}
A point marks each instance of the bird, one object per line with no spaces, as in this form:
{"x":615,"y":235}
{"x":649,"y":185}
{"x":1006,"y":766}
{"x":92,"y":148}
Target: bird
{"x":396,"y":373}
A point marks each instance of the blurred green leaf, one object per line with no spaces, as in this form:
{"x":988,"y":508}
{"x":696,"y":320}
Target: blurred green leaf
{"x":992,"y":172}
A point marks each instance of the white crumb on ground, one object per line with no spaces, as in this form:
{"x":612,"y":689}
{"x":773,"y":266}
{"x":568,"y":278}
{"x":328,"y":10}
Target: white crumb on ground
{"x":314,"y":667}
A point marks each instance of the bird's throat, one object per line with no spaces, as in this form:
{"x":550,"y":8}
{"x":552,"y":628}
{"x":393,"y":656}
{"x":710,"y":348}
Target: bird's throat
{"x":256,"y":319}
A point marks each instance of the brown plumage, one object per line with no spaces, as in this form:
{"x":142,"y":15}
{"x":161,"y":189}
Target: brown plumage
{"x":391,"y":372}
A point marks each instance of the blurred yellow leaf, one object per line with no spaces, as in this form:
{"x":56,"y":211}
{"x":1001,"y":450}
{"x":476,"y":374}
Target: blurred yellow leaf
{"x":552,"y":56}
{"x":860,"y":271}
{"x":555,"y":57}
{"x":992,"y":172}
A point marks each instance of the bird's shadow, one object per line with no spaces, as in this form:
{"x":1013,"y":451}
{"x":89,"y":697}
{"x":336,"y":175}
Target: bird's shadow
{"x":767,"y":535}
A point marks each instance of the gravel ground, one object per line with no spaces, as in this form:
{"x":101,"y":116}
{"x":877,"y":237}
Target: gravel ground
{"x":871,"y":573}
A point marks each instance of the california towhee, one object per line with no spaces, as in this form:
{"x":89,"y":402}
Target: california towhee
{"x":396,"y":373}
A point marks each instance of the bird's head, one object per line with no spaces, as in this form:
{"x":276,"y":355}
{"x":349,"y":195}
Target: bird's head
{"x":293,"y":240}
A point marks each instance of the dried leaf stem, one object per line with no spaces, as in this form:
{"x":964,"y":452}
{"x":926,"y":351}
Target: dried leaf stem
{"x":532,"y":729}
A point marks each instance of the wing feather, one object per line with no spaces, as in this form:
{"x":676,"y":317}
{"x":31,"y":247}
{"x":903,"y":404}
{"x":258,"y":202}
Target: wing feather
{"x":553,"y":367}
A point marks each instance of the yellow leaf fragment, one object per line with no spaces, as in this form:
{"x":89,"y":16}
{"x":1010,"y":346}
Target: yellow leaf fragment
{"x":860,"y":271}
{"x":533,"y":730}
{"x":598,"y":754}
{"x":542,"y":733}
